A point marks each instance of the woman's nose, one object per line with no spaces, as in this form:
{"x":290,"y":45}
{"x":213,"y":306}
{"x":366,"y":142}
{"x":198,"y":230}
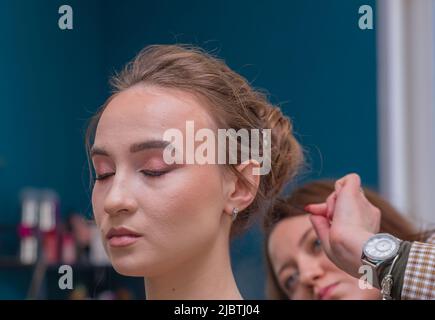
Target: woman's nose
{"x":119,"y":199}
{"x":310,"y":271}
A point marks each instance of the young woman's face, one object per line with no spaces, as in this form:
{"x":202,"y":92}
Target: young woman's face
{"x":303,"y":270}
{"x":161,"y":215}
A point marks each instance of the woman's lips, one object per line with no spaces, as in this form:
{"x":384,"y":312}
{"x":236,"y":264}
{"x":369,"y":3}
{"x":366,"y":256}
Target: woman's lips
{"x":122,"y":241}
{"x":122,"y":237}
{"x":326,"y":292}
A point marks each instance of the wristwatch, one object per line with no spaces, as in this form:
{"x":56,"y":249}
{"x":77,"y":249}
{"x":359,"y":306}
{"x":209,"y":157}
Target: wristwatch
{"x":379,"y":250}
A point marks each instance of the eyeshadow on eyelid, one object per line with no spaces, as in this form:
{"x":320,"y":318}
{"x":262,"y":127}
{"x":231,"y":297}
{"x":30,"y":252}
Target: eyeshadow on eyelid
{"x":102,"y":166}
{"x":156,"y":161}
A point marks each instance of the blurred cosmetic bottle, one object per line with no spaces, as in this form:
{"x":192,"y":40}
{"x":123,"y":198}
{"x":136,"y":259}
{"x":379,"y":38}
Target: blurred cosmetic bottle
{"x":48,"y":222}
{"x":28,"y":229}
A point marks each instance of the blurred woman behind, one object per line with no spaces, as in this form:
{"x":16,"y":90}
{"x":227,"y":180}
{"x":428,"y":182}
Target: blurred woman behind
{"x":296,"y":264}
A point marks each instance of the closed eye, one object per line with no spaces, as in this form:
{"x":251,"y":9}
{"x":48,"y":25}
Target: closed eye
{"x":154,"y":173}
{"x":148,"y":173}
{"x":104,"y":176}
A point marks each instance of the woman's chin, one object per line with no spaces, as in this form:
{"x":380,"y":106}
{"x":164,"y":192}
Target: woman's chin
{"x":130,"y":266}
{"x":128,"y":270}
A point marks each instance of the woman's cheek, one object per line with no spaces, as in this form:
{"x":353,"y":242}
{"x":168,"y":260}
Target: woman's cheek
{"x":205,"y":190}
{"x":194,"y":193}
{"x":97,"y":204}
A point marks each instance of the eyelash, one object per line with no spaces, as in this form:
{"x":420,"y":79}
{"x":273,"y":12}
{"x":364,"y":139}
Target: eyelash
{"x":155,"y":173}
{"x":103,"y":176}
{"x":147,"y":173}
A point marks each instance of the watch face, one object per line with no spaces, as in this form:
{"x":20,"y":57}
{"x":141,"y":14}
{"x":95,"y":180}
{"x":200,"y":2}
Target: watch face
{"x":381,"y":247}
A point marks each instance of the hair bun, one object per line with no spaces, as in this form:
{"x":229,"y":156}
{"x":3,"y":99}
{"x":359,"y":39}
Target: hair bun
{"x":286,"y":153}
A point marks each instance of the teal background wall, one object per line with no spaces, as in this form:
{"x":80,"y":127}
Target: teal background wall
{"x":50,"y":82}
{"x":310,"y":55}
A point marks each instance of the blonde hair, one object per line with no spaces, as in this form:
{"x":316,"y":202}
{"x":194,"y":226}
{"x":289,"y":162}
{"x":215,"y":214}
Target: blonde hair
{"x":233,"y":104}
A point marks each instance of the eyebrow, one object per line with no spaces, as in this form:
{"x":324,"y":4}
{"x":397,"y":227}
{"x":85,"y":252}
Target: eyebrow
{"x":304,"y":236}
{"x":150,"y":144}
{"x":300,"y":242}
{"x":136,"y":147}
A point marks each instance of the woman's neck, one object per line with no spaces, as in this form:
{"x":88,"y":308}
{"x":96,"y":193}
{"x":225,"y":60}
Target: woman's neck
{"x":208,"y":276}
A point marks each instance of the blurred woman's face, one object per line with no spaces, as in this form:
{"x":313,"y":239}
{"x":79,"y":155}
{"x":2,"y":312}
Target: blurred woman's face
{"x":303,"y":270}
{"x":153,"y":216}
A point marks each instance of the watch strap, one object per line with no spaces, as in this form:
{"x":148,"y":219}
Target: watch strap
{"x":374,"y":267}
{"x":398,"y":271}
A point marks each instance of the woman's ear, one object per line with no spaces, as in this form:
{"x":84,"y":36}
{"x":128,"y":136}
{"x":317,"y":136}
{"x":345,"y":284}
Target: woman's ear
{"x":242,"y":194}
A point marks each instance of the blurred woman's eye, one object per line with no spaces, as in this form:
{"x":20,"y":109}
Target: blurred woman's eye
{"x":290,"y":282}
{"x":316,"y":245}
